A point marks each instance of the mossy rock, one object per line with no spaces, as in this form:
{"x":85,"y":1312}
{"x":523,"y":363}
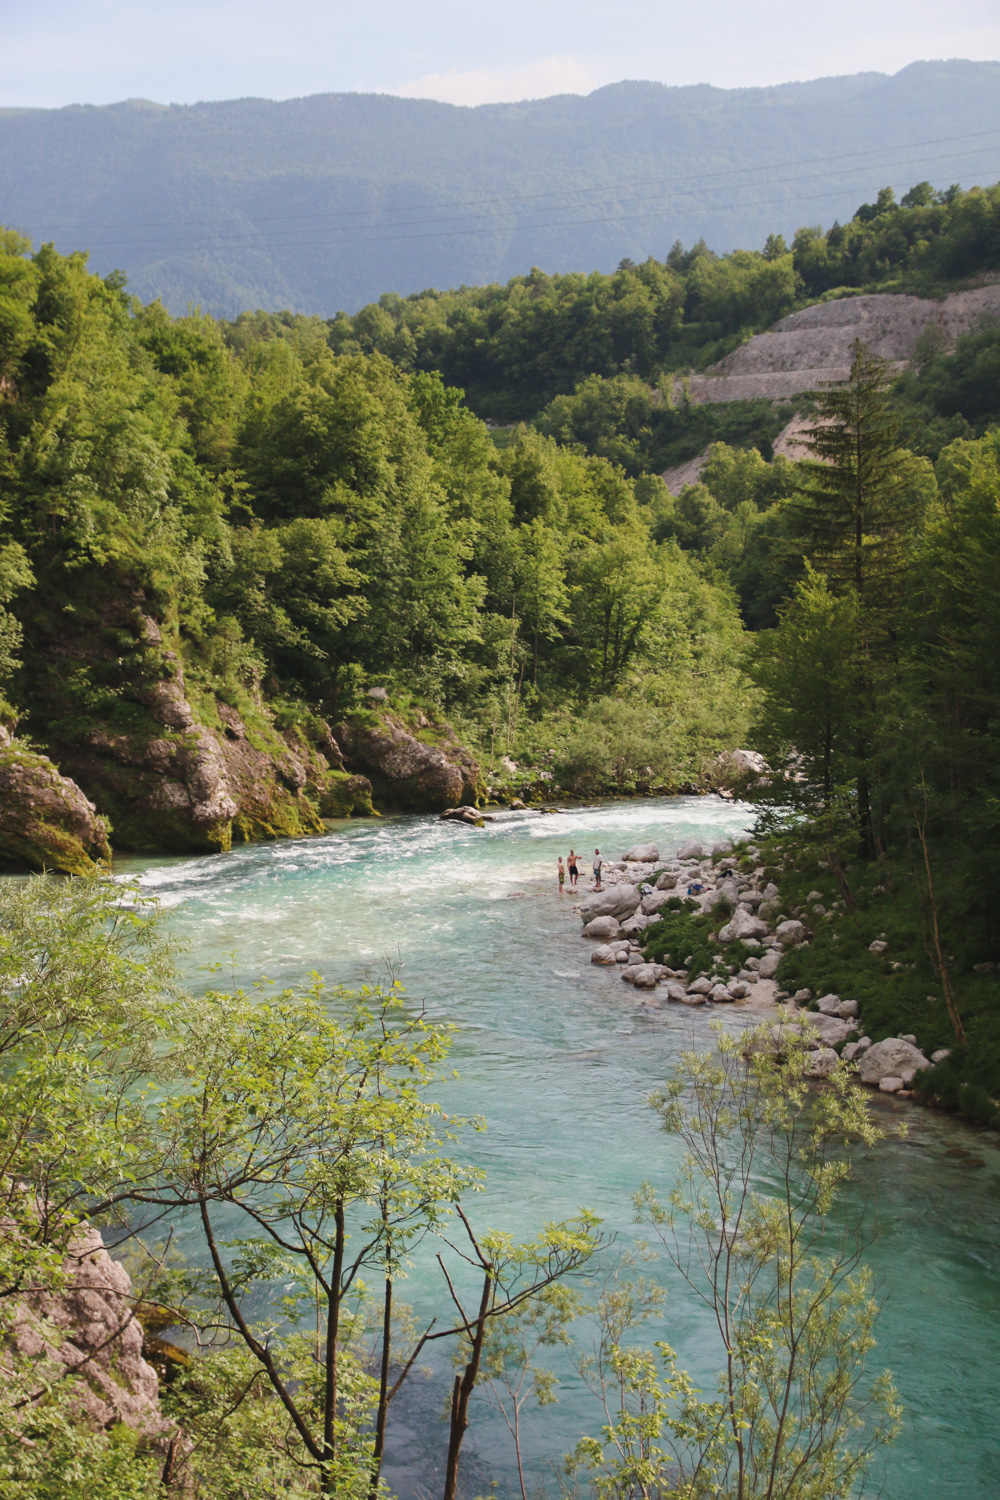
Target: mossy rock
{"x":46,"y":823}
{"x":346,"y":796}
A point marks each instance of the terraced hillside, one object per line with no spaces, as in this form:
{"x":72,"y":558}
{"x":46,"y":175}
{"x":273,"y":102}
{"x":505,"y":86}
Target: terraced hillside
{"x":813,"y":345}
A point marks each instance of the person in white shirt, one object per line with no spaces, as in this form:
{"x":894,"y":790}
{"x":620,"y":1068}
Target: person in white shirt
{"x":598,"y":861}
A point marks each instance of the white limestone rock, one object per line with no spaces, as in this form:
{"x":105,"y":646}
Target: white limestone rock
{"x":602,"y":928}
{"x":742,"y":924}
{"x":891,"y":1058}
{"x":617,"y":901}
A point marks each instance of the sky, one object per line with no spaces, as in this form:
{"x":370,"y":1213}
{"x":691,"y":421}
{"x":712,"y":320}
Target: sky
{"x":56,"y":52}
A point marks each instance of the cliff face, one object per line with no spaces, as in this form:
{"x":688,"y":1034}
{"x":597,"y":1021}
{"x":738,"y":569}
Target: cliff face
{"x":180,"y":784}
{"x":163,"y":766}
{"x":139,"y":756}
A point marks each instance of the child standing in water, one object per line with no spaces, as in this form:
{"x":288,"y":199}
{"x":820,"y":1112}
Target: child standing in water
{"x":562,"y":875}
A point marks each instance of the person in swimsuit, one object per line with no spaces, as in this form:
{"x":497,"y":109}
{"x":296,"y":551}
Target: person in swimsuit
{"x":573,"y":870}
{"x":562,"y":875}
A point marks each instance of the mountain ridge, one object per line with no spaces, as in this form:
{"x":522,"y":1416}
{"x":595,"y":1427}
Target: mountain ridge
{"x":255,"y":202}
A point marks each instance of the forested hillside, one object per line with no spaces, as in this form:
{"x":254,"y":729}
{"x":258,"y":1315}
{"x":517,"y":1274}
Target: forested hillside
{"x":514,"y":348}
{"x":246,"y":565}
{"x":218,"y":541}
{"x":327,"y":202}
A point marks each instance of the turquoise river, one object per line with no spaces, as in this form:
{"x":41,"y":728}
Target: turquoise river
{"x":559,"y":1057}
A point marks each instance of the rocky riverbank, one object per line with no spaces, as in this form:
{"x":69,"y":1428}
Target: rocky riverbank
{"x":724,"y":896}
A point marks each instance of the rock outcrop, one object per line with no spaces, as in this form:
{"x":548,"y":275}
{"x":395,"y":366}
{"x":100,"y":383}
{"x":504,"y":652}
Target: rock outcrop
{"x":89,"y":1327}
{"x":413,"y":767}
{"x":182,"y":784}
{"x":172,"y":767}
{"x":813,"y":345}
{"x":46,"y":822}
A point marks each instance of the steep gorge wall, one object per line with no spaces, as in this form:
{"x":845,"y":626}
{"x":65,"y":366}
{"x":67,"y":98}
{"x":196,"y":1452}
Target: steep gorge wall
{"x":168,"y":769}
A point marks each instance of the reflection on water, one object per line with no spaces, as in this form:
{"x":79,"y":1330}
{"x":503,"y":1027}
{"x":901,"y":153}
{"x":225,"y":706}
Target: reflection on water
{"x":559,"y":1057}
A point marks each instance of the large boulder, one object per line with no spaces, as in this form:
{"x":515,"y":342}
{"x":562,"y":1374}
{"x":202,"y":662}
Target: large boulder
{"x":641,"y":854}
{"x":615,"y":901}
{"x":603,"y":955}
{"x":769,"y":963}
{"x":666,"y":880}
{"x":655,"y":902}
{"x":602,"y":928}
{"x":822,"y":1063}
{"x":831,"y":1030}
{"x":46,"y":822}
{"x":791,"y":932}
{"x":742,"y":924}
{"x":636,"y":924}
{"x":727,"y":892}
{"x":691,"y":850}
{"x":892,"y":1058}
{"x":411,"y":773}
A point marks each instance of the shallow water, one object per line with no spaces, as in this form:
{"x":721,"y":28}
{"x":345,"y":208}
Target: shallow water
{"x":559,"y":1056}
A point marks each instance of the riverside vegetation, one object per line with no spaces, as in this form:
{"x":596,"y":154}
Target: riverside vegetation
{"x":216,"y":538}
{"x":298,"y":1132}
{"x":217,"y":542}
{"x":250,"y":572}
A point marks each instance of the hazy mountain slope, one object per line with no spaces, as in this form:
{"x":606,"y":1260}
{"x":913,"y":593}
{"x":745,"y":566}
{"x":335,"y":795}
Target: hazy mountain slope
{"x":327,"y":202}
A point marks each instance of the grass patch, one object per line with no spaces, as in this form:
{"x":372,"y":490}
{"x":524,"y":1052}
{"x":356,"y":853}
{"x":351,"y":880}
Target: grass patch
{"x":685,"y":933}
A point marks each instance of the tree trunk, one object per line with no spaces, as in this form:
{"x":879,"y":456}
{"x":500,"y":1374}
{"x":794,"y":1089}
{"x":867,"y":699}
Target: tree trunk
{"x":332,"y":1334}
{"x":383,"y":1392}
{"x":462,"y":1392}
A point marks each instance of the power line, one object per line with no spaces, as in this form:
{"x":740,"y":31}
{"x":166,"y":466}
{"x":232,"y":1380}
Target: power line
{"x":370,"y":234}
{"x":473,"y":203}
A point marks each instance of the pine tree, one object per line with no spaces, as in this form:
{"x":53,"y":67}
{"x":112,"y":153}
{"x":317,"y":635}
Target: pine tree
{"x":855,"y":516}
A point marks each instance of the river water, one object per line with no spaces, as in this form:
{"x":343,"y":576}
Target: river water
{"x":559,"y":1057}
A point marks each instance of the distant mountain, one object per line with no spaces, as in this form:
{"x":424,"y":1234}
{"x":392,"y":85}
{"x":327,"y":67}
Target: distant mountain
{"x":327,"y":202}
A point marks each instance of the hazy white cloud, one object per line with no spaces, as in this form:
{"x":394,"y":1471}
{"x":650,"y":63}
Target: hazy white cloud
{"x":537,"y":80}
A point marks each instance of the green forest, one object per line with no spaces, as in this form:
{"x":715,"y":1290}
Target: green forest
{"x":278,"y":538}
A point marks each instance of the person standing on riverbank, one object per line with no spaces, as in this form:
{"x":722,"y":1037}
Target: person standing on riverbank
{"x":562,"y":875}
{"x":598,"y":861}
{"x":574,"y":871}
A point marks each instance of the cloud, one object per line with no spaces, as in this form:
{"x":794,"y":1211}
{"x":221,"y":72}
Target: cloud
{"x":564,"y":74}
